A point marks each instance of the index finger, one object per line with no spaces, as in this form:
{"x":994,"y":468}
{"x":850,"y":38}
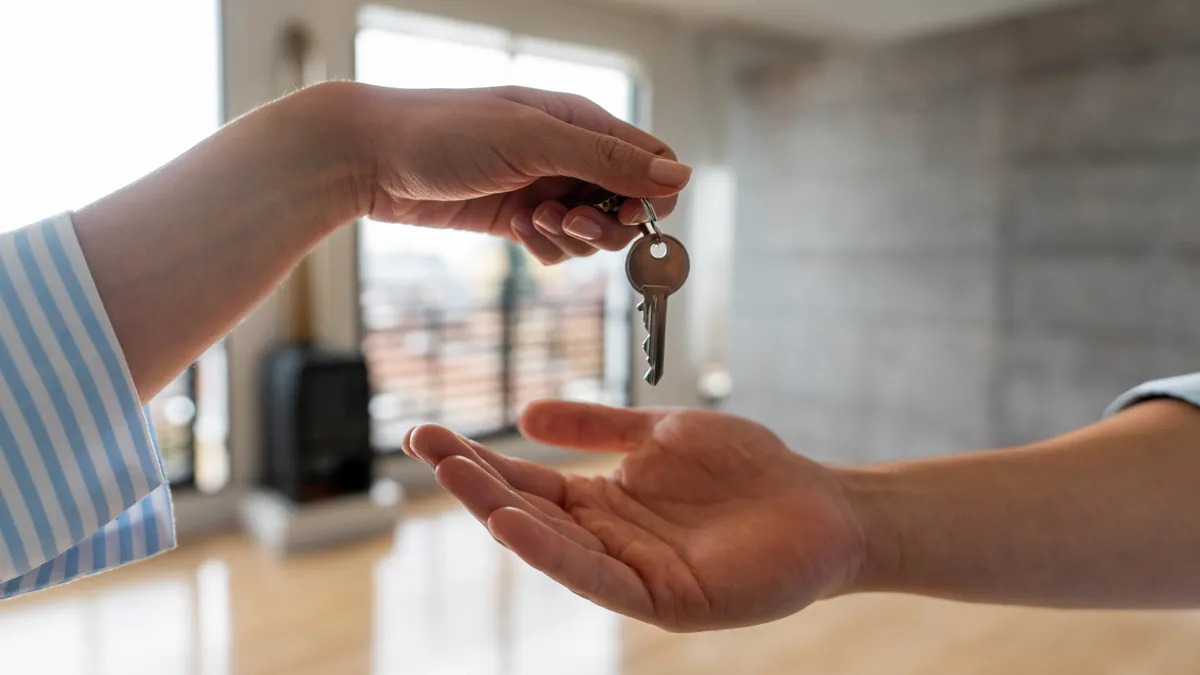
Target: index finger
{"x":582,"y":112}
{"x":433,"y":444}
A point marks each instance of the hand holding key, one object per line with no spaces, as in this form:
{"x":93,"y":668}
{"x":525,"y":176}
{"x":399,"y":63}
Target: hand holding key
{"x":502,"y":161}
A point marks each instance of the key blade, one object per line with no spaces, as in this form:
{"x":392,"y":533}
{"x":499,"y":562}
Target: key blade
{"x":656,"y":342}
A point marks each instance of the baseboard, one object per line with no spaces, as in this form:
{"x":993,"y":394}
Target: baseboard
{"x":285,"y":527}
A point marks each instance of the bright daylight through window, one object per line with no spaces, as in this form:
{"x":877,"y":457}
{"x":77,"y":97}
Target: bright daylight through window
{"x":73,"y":129}
{"x":460,"y":328}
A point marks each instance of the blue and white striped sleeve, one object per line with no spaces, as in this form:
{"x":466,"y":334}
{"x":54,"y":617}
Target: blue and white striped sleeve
{"x":1184,"y":388}
{"x":82,"y":486}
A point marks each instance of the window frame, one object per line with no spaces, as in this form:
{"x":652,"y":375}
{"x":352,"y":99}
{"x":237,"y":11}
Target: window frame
{"x":188,"y":484}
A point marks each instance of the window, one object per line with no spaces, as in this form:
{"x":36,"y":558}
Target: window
{"x":73,"y":129}
{"x":462,"y":329}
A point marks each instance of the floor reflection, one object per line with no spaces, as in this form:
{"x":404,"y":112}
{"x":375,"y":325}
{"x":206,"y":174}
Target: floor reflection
{"x":213,"y":618}
{"x":450,"y":600}
{"x":439,"y":598}
{"x":145,"y":626}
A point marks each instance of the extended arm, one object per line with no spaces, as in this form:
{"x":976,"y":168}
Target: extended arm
{"x":712,"y":522}
{"x":1108,"y":516}
{"x":180,"y":256}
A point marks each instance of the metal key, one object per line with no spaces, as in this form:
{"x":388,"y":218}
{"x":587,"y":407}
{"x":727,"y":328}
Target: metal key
{"x":610,"y":203}
{"x":596,"y":197}
{"x":657,"y":266}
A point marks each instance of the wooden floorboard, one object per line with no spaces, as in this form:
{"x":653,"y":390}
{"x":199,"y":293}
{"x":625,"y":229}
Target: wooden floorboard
{"x":440,"y":597}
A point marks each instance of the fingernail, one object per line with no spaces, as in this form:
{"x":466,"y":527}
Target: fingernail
{"x":584,"y":228}
{"x":406,"y":444}
{"x":523,"y":223}
{"x":668,"y":173}
{"x":549,"y":222}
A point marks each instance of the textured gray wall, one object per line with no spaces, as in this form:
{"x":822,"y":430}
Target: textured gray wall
{"x":972,"y":240}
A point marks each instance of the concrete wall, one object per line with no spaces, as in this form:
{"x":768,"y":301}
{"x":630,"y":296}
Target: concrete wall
{"x":976,"y":239}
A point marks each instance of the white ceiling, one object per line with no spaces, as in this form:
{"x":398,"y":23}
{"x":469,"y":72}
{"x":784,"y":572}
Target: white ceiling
{"x":869,"y":20}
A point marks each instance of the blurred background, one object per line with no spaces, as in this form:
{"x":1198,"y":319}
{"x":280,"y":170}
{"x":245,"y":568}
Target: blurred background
{"x":917,"y":227}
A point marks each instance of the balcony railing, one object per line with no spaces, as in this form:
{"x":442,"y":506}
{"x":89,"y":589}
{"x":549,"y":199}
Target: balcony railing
{"x":474,"y":369}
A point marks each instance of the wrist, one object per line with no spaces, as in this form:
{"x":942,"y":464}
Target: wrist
{"x":322,"y":158}
{"x":871,"y":493}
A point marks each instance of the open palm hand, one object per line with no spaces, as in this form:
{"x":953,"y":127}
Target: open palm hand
{"x":709,"y":522}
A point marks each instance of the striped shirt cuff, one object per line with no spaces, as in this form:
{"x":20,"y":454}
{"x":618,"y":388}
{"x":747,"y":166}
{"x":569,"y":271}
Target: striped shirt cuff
{"x":82,"y":486}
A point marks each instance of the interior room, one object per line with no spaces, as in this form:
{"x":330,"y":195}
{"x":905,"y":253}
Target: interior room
{"x":916,"y":229}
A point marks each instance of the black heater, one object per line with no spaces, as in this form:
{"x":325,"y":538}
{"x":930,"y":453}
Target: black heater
{"x":317,"y":427}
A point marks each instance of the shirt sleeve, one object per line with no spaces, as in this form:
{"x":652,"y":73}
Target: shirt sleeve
{"x":1184,"y":388}
{"x":82,"y":485}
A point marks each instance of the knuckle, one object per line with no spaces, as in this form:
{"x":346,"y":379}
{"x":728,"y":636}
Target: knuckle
{"x":579,"y":102}
{"x":513,"y":92}
{"x":500,"y":91}
{"x":570,"y":106}
{"x":520,"y":113}
{"x":614,"y":152}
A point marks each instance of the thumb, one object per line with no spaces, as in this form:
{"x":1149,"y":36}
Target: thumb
{"x":610,"y":162}
{"x":586,"y":426}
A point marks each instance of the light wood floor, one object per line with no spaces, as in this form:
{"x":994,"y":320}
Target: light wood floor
{"x":441,"y":598}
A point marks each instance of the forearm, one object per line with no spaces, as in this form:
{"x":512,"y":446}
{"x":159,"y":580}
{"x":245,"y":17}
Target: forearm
{"x":1108,"y":516}
{"x":182,"y":255}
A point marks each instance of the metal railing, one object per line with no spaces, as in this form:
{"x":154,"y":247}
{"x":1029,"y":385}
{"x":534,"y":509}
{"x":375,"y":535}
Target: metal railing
{"x":474,"y":370}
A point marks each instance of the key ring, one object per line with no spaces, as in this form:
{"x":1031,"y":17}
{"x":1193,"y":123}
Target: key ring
{"x":650,"y":229}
